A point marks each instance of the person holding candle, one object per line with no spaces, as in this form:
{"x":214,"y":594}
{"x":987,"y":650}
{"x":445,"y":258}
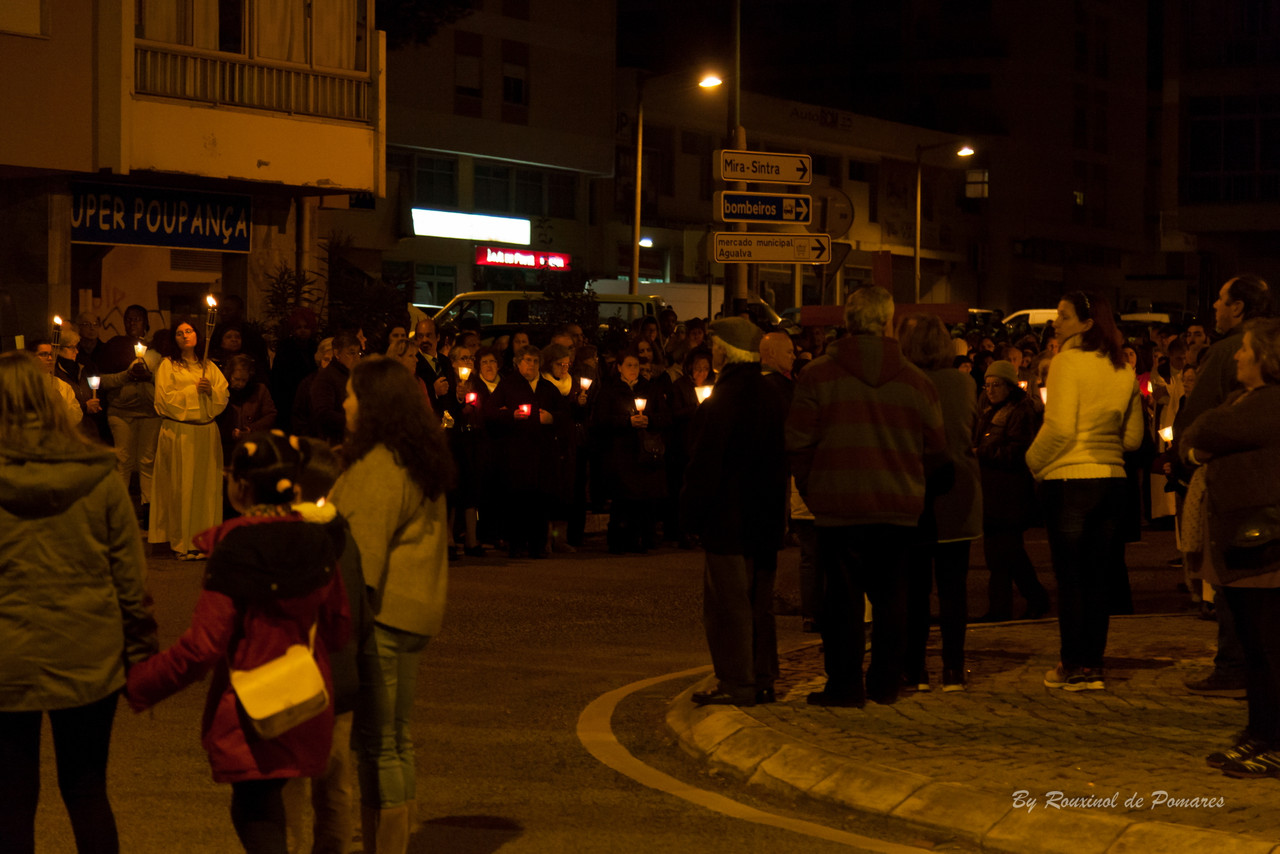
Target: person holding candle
{"x":628,"y":419}
{"x":522,"y":414}
{"x":465,"y":443}
{"x":62,"y":390}
{"x":684,"y":401}
{"x":189,"y":394}
{"x":130,"y":391}
{"x":567,"y":436}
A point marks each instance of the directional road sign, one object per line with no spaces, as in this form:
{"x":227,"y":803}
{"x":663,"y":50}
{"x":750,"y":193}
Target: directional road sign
{"x":745,"y":247}
{"x":765,"y":167}
{"x":763,"y":207}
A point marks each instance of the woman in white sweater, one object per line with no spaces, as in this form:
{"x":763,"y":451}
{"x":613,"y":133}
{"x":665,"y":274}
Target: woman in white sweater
{"x":1092,"y":416}
{"x":393,"y":497}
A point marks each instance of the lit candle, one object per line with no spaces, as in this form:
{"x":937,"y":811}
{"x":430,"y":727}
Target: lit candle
{"x":585,"y":382}
{"x":57,"y":331}
{"x":94,"y":382}
{"x":1166,"y":433}
{"x":472,"y":397}
{"x":139,"y":349}
{"x":1044,"y":394}
{"x":208,"y":329}
{"x":703,"y":392}
{"x":640,"y":404}
{"x":1022,"y":384}
{"x":463,"y":372}
{"x":524,"y":410}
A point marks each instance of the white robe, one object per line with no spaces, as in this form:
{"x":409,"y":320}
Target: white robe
{"x":187,"y":492}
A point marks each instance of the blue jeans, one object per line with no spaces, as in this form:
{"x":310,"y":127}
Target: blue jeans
{"x":1083,"y":519}
{"x":384,"y":743}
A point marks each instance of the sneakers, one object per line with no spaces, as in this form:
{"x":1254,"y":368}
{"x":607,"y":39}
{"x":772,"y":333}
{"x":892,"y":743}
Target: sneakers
{"x":1265,"y":764}
{"x":1217,"y":685}
{"x":1246,"y":747}
{"x":952,"y":680}
{"x":1075,"y":679}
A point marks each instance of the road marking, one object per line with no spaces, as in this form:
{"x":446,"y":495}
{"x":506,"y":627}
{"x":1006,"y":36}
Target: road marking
{"x":595,"y":731}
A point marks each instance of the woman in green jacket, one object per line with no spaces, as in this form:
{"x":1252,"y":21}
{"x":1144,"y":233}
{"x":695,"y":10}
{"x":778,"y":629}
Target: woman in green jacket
{"x":73,"y":610}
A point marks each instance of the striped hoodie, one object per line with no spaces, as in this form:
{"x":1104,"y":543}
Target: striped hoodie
{"x":864,"y":428}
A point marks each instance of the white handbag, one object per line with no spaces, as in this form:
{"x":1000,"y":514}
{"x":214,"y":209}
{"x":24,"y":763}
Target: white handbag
{"x":284,"y":692}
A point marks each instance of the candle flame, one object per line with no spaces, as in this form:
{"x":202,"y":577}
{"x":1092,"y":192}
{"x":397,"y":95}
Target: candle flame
{"x":94,"y":382}
{"x":213,"y":303}
{"x":586,"y":383}
{"x":702,"y":392}
{"x":1166,"y":433}
{"x":139,"y":350}
{"x":640,"y":404}
{"x":1044,"y":394}
{"x":463,"y":373}
{"x":57,"y":321}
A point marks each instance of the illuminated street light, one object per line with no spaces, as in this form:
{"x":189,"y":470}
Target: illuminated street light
{"x":709,"y":81}
{"x":964,"y":151}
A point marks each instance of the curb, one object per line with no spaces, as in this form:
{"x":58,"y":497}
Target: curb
{"x":733,"y":741}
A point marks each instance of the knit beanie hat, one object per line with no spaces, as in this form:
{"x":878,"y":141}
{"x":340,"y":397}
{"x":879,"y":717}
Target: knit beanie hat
{"x":737,"y":332}
{"x":1003,"y":370}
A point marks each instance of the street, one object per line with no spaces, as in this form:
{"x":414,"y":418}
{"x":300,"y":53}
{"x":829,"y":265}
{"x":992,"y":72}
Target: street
{"x":527,"y":646}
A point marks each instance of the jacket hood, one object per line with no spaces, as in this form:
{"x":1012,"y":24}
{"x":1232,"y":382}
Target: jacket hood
{"x":47,"y":474}
{"x":874,"y":359}
{"x":273,"y":557}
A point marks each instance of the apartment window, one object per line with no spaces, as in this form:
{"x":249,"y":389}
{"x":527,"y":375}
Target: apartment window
{"x":562,"y":195}
{"x":493,"y":188}
{"x":515,"y":84}
{"x":518,"y":9}
{"x":24,"y":16}
{"x":436,"y":184}
{"x":468,"y":49}
{"x":977,"y":184}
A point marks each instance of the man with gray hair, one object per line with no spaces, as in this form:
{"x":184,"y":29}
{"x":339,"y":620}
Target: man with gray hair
{"x":864,"y":429}
{"x":734,"y":498}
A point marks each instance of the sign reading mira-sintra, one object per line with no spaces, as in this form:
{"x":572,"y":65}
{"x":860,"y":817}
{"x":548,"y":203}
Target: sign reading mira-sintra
{"x":152,"y":216}
{"x":765,"y":167}
{"x":744,"y":247}
{"x":763,"y":207}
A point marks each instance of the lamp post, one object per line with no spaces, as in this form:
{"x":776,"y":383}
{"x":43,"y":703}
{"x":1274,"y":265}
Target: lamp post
{"x":963,"y":151}
{"x":709,"y":81}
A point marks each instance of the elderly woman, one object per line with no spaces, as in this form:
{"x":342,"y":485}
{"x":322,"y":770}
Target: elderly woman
{"x":300,"y":410}
{"x":1092,"y":417}
{"x":1005,"y":431}
{"x":952,"y":518}
{"x":556,"y":362}
{"x":1238,"y":444}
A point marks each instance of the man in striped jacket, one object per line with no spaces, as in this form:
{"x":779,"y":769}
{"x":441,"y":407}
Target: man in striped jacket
{"x":864,"y":429}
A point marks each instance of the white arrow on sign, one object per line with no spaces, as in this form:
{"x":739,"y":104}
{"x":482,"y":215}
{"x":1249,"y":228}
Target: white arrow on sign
{"x":765,"y":167}
{"x":733,"y":206}
{"x":744,"y":247}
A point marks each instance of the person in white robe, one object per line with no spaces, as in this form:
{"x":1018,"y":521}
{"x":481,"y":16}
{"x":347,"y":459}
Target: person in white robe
{"x":187,"y":490}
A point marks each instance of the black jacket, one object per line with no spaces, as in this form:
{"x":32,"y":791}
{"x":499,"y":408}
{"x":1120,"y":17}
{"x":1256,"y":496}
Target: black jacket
{"x":735,"y":489}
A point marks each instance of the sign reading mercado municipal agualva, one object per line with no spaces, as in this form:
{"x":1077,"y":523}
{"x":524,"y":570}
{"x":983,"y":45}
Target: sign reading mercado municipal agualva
{"x":153,"y":216}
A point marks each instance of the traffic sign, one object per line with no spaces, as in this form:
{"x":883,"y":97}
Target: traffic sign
{"x":745,"y":247}
{"x":763,"y":207}
{"x":765,"y":167}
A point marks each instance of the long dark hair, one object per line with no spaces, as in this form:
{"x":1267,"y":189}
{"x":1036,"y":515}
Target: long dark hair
{"x":394,"y":412}
{"x":1103,"y":336}
{"x":175,"y":352}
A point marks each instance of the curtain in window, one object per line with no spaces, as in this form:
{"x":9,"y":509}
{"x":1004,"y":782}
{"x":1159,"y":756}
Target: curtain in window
{"x":205,"y":18}
{"x":165,"y":21}
{"x":333,"y":32}
{"x":282,"y":30}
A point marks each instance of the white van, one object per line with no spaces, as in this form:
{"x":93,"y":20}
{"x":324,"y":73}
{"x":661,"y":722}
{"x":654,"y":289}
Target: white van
{"x":498,"y":308}
{"x":1035,"y":318}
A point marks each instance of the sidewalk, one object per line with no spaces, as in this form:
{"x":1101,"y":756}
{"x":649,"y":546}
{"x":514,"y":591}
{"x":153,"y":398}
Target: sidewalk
{"x":982,"y":766}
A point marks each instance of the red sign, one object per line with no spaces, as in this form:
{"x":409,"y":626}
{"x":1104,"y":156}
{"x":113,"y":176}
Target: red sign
{"x":501,"y":256}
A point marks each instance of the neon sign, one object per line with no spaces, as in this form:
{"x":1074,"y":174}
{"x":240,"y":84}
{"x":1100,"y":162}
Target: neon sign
{"x":529,"y":259}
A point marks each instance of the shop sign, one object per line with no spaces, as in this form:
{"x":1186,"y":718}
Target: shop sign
{"x":151,"y":216}
{"x":498,"y":256}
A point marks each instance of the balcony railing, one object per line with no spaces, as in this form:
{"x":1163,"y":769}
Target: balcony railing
{"x":218,"y":79}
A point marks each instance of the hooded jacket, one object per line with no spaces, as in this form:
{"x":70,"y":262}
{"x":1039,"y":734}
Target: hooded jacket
{"x":865,"y":427}
{"x":73,"y":607}
{"x":269,"y":579}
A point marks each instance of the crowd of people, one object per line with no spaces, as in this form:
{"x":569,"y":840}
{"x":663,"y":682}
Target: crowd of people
{"x":329,"y":490}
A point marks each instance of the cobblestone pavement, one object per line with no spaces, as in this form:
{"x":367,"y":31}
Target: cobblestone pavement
{"x":1007,"y":743}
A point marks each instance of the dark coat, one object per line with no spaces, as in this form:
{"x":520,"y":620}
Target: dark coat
{"x":735,"y":490}
{"x":326,"y":418}
{"x":527,"y":446}
{"x":625,"y":475}
{"x":269,"y":580}
{"x":1003,"y":436}
{"x":249,"y":409}
{"x":295,"y":359}
{"x":1241,"y":439}
{"x":429,"y":375}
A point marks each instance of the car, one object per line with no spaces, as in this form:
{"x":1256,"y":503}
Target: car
{"x":1031,"y":318}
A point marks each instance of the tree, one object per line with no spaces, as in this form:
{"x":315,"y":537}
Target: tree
{"x":415,"y":22}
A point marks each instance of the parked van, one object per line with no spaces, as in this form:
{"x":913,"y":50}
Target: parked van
{"x":690,"y":299}
{"x":1034,"y":318}
{"x":499,"y":308}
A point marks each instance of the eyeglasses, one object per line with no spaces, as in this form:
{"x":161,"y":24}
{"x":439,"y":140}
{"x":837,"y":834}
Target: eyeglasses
{"x":994,"y":384}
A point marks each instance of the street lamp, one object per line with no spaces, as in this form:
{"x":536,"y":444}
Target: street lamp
{"x":963,"y":151}
{"x":709,"y":81}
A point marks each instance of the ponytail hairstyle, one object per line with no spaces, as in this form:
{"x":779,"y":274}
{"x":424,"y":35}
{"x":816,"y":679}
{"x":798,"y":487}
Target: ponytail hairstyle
{"x":269,"y":463}
{"x":1103,"y":337}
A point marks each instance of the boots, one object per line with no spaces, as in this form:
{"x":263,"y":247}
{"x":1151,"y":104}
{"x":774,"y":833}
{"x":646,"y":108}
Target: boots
{"x":385,"y":831}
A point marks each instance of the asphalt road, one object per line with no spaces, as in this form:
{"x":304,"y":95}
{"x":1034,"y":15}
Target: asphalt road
{"x":526,"y":647}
